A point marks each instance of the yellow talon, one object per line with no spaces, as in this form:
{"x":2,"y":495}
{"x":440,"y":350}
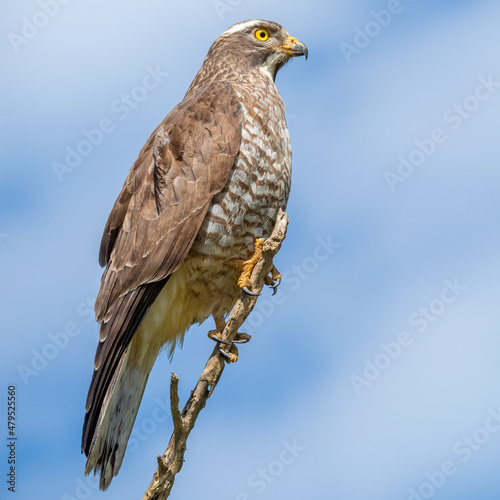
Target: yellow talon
{"x":248,"y":265}
{"x":216,"y":336}
{"x":275,"y":276}
{"x":230,"y":356}
{"x":229,"y":353}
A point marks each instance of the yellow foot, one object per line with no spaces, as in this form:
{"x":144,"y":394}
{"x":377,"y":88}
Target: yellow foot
{"x":248,"y":265}
{"x":239,"y":338}
{"x":231,"y":355}
{"x":216,"y":336}
{"x":274,"y":280}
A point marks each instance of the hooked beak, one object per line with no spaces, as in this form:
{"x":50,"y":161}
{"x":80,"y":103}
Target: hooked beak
{"x":293,"y":47}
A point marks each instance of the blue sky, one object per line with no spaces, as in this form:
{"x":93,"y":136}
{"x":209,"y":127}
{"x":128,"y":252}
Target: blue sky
{"x":374,"y":373}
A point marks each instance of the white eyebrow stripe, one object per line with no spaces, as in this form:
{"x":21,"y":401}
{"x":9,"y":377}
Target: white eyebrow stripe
{"x":241,"y":26}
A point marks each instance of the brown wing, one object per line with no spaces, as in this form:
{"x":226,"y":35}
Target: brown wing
{"x":154,"y":221}
{"x":167,"y":192}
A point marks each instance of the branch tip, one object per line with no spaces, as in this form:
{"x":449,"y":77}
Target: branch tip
{"x":174,"y":403}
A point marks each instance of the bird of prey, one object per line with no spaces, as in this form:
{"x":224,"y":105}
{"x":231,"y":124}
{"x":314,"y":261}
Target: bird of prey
{"x":180,"y":241}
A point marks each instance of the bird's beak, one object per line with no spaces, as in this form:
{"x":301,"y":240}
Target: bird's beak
{"x":293,"y":47}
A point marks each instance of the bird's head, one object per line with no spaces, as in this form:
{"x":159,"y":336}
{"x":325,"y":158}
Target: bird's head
{"x":253,"y":45}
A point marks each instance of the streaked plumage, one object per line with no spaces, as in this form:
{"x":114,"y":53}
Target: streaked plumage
{"x":208,"y":182}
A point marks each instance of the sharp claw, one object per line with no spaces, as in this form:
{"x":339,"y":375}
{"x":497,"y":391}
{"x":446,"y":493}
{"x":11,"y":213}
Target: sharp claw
{"x":213,"y":336}
{"x":242,"y":338}
{"x":248,"y":292}
{"x":224,"y":353}
{"x":229,"y":357}
{"x":276,"y":285}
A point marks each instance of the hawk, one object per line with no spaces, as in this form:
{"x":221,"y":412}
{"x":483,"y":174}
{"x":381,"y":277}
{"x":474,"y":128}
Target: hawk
{"x":197,"y":203}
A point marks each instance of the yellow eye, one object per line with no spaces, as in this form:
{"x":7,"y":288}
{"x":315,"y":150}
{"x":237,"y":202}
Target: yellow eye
{"x":262,"y":34}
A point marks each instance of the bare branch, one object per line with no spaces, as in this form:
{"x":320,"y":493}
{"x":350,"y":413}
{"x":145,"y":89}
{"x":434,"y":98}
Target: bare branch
{"x":172,"y":460}
{"x":174,"y":404}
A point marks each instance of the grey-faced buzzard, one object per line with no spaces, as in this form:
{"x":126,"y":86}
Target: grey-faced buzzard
{"x":204,"y":189}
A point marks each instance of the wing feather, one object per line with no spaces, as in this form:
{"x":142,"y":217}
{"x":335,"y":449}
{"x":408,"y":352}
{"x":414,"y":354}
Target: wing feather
{"x":185,"y":162}
{"x":155,"y":219}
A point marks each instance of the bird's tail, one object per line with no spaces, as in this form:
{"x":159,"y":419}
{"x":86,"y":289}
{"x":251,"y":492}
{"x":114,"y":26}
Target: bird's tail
{"x":116,"y":419}
{"x":124,"y":357}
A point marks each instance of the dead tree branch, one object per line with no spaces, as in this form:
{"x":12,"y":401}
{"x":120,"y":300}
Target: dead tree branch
{"x":170,"y":463}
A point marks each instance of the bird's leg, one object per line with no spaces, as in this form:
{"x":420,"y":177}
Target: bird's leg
{"x":230,"y":356}
{"x":248,"y":265}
